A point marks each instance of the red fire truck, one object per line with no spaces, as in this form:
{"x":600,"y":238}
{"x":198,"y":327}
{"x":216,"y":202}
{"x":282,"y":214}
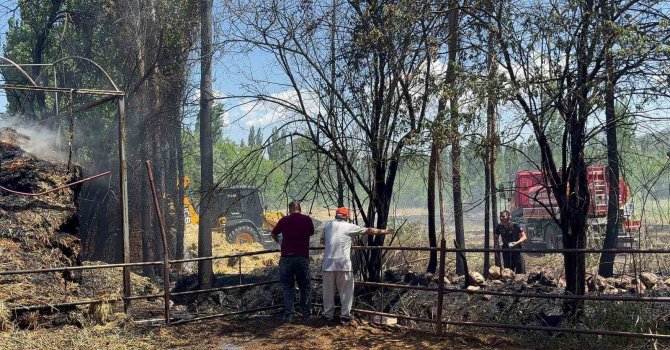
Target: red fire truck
{"x":532,"y":206}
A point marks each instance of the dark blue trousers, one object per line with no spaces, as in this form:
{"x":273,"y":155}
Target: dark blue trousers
{"x":294,"y":269}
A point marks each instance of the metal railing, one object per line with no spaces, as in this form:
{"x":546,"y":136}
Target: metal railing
{"x":440,"y":290}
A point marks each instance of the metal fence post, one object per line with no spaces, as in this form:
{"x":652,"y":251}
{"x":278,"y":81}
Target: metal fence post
{"x":239,"y":271}
{"x":440,"y":285}
{"x":123,"y":181}
{"x":166,"y":260}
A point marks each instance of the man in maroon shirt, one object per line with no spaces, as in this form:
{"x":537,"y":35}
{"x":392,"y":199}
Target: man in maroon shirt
{"x":295,"y":230}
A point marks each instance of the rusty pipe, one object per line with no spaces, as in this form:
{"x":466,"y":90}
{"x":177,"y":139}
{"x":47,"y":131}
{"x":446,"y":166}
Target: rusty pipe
{"x":218,"y":289}
{"x":166,"y":259}
{"x":54,"y":189}
{"x":77,"y":268}
{"x":123,"y":198}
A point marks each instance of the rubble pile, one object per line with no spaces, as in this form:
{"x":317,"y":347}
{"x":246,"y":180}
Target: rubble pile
{"x":505,"y":309}
{"x":230,"y":300}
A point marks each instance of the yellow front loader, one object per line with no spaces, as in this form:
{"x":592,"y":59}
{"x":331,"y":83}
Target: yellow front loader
{"x":241,"y":215}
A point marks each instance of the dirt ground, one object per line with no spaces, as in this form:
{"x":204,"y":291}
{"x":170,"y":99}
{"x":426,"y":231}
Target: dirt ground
{"x":254,"y":333}
{"x":360,"y":335}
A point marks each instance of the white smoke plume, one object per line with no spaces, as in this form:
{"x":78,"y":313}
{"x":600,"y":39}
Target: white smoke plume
{"x":39,"y":140}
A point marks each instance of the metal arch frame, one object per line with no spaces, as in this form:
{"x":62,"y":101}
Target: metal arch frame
{"x":17,"y":66}
{"x":111,"y":95}
{"x":56,"y":89}
{"x":95,"y":64}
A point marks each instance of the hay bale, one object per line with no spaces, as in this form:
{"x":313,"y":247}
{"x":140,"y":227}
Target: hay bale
{"x":221,"y":246}
{"x":476,"y":278}
{"x":507,"y":274}
{"x":232,"y":262}
{"x":37,"y":232}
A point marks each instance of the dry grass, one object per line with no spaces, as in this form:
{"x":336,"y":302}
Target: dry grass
{"x":221,"y":246}
{"x":70,"y":337}
{"x":108,"y":283}
{"x":5,"y":318}
{"x":100,"y":313}
{"x":256,"y":333}
{"x":414,"y":235}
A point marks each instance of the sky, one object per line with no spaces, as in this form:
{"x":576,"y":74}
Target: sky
{"x":227,"y":81}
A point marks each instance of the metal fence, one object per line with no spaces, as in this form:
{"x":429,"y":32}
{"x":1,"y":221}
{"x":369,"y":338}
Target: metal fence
{"x":440,"y":290}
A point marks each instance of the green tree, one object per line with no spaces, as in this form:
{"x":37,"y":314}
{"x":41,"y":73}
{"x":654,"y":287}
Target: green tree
{"x":218,"y":121}
{"x":251,"y":138}
{"x":258,"y":140}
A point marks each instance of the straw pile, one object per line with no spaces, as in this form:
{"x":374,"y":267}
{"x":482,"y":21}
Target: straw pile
{"x":108,"y":283}
{"x":5,"y":318}
{"x":35,"y":232}
{"x":100,"y":313}
{"x":42,"y":232}
{"x":221,"y":246}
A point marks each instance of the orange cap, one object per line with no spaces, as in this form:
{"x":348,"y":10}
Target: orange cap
{"x":342,"y":211}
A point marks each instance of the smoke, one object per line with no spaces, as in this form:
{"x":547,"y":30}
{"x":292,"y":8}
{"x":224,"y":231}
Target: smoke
{"x":36,"y":139}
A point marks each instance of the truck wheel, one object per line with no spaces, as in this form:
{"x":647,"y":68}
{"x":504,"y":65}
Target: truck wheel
{"x":243,"y":235}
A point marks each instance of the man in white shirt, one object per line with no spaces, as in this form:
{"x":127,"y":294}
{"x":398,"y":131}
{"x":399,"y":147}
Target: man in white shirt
{"x":337,"y":237}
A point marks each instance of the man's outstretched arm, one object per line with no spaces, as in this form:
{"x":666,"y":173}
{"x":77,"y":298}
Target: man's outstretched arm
{"x":377,"y":231}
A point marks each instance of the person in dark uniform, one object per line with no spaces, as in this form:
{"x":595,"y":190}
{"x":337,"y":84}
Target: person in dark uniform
{"x":512,"y":237}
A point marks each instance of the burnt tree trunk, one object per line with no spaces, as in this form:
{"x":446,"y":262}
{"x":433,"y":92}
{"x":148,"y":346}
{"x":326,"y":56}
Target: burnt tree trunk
{"x":146,"y":219}
{"x":432,"y":238}
{"x":205,"y":273}
{"x":606,"y":267}
{"x":331,"y":102}
{"x":453,"y":43}
{"x":494,"y":201}
{"x":179,"y":254}
{"x":487,"y":213}
{"x":574,"y":212}
{"x":491,"y":133}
